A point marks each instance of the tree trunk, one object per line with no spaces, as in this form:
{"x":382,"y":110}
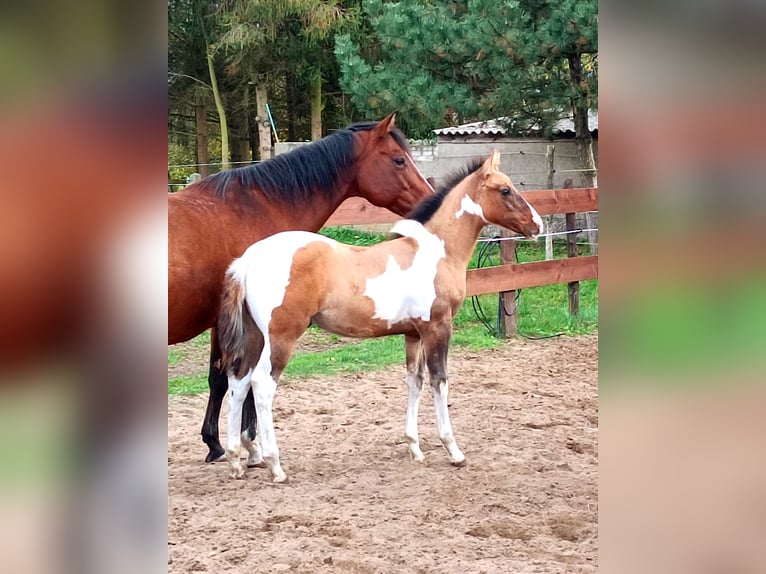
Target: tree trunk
{"x":225,"y":162}
{"x":252,"y":133}
{"x":240,"y":148}
{"x":292,"y":105}
{"x":588,"y":177}
{"x":316,"y":107}
{"x":262,"y":117}
{"x":200,"y":116}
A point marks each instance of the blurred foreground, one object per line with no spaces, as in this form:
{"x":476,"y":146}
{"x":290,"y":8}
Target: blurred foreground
{"x":683,"y":290}
{"x":82,"y":288}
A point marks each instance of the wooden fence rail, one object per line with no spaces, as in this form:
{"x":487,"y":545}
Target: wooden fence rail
{"x":514,"y":276}
{"x":358,"y":211}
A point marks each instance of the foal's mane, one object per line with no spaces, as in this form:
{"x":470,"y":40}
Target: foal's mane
{"x":425,"y":210}
{"x":295,"y":176}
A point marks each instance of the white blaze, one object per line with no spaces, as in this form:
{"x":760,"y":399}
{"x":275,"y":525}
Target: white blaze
{"x":536,"y":218}
{"x":420,"y":173}
{"x":401,"y":294}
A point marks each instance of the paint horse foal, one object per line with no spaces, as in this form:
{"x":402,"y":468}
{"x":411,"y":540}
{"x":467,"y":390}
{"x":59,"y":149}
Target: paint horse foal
{"x":411,"y":285}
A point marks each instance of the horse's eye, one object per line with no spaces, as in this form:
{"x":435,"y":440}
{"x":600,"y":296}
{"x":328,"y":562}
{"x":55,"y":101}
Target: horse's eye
{"x":399,"y":161}
{"x":506,"y":191}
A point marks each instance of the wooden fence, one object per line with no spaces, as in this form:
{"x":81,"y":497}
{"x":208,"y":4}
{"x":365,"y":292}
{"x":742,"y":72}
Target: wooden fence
{"x":511,"y":276}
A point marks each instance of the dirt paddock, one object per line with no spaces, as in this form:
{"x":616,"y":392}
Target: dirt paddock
{"x":526,"y":417}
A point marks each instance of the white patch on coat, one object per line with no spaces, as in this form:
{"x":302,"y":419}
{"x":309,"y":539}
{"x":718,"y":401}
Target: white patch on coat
{"x":401,"y":294}
{"x":468,"y":205}
{"x":274,"y":256}
{"x":265,"y":267}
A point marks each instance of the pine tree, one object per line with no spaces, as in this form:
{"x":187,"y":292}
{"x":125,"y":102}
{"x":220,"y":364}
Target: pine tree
{"x":444,"y":62}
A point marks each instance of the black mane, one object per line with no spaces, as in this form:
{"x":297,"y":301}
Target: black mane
{"x":297,"y":174}
{"x":425,"y":210}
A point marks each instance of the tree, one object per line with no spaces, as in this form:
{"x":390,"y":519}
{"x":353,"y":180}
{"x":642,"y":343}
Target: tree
{"x":272,"y":36}
{"x":192,"y":62}
{"x":447,"y":62}
{"x":568,"y":30}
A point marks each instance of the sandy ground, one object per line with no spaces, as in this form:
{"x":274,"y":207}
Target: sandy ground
{"x":526,"y":416}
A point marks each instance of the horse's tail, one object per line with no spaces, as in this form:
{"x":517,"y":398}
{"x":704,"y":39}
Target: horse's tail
{"x":236,"y":328}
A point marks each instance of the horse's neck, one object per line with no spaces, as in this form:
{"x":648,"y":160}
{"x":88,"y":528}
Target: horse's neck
{"x":282,"y":215}
{"x":459,"y":229}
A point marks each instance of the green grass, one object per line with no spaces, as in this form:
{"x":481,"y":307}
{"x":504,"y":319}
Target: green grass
{"x":203,"y":340}
{"x":175,"y":355}
{"x":542,"y":312}
{"x":187,"y":385}
{"x":366,"y":355}
{"x":351,"y":235}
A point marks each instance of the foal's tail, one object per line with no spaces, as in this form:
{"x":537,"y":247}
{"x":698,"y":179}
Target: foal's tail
{"x":238,"y":335}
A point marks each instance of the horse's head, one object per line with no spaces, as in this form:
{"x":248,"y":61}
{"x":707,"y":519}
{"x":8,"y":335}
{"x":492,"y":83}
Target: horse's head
{"x":501,"y":203}
{"x":387,"y":175}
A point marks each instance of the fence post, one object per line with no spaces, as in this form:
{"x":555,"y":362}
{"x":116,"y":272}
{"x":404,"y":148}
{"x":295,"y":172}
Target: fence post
{"x":549,"y":151}
{"x":506,"y":308}
{"x":573,"y":287}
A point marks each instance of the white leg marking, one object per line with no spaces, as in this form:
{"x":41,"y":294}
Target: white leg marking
{"x":255,"y":458}
{"x":264,"y":388}
{"x":237,"y":393}
{"x":414,"y":386}
{"x":444,"y":426}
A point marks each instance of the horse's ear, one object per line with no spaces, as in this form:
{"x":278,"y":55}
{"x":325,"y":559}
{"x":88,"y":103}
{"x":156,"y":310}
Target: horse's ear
{"x":494,"y":160}
{"x":491,"y":164}
{"x":387,"y":124}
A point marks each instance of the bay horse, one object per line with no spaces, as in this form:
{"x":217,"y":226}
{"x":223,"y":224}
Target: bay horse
{"x":213,"y":221}
{"x":411,"y":285}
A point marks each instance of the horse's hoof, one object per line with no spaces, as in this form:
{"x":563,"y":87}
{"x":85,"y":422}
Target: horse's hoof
{"x":459,"y":463}
{"x":415,"y":453}
{"x":215,"y":455}
{"x":280,"y":478}
{"x":237,"y":473}
{"x":261,"y":464}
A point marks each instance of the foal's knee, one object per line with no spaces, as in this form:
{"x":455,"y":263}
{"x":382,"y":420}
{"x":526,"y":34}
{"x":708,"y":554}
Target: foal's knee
{"x":237,"y":395}
{"x":439,"y":384}
{"x":238,"y":388}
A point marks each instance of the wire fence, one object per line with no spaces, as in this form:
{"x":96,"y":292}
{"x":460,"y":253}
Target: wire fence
{"x":488,"y":254}
{"x":541,"y":236}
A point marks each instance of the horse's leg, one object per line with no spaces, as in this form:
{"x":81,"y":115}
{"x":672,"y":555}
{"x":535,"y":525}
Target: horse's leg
{"x":218,"y":383}
{"x":278,"y":347}
{"x":249,"y":432}
{"x":250,"y":439}
{"x":436,"y":343}
{"x":238,"y":389}
{"x":264,"y":388}
{"x":415,"y":369}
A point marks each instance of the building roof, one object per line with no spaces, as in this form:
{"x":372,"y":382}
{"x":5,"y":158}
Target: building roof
{"x":495,"y":127}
